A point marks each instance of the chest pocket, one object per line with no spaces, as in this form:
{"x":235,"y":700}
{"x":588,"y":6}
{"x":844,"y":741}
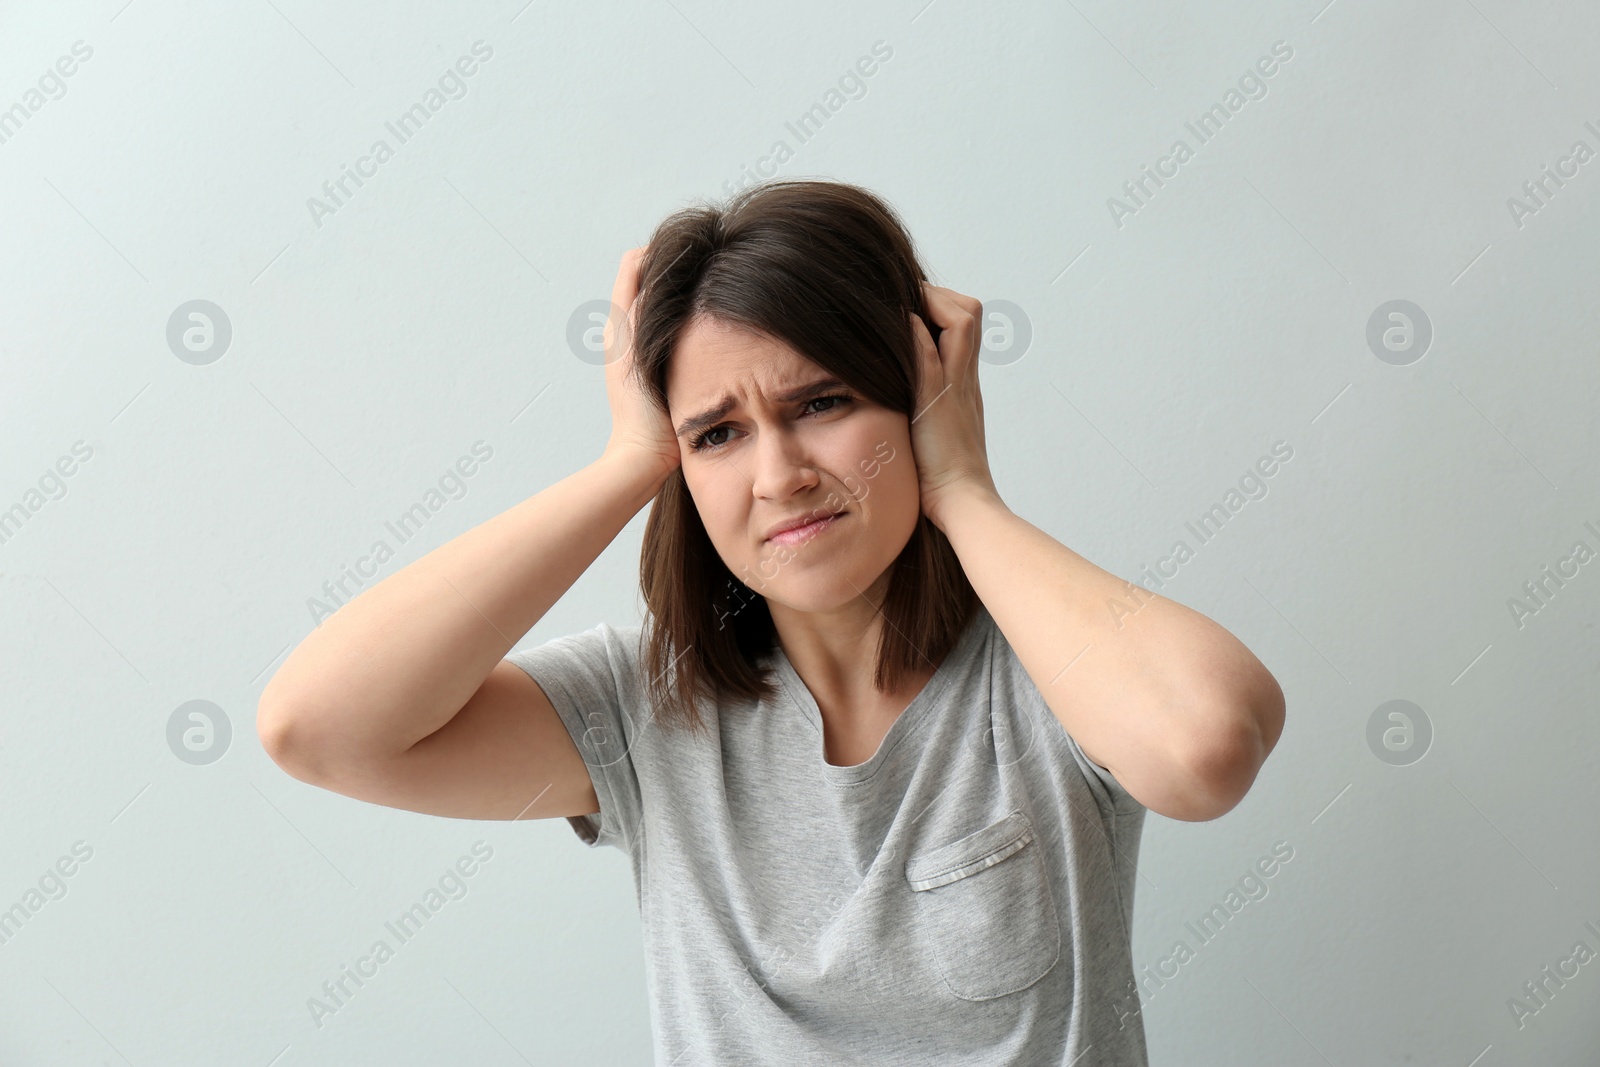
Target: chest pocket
{"x":984,"y":904}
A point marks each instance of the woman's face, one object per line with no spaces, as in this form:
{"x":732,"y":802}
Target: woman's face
{"x":765,"y":459}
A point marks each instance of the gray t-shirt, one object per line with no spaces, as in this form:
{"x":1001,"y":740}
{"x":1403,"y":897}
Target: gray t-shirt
{"x":963,"y":897}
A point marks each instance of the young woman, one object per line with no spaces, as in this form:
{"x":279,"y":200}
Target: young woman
{"x":881,"y":751}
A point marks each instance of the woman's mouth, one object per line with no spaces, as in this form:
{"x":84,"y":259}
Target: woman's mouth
{"x":801,"y":534}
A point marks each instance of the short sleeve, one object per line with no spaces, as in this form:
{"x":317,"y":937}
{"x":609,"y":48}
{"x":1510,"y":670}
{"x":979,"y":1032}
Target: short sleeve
{"x":1121,"y":801}
{"x":592,"y":680}
{"x":1109,"y":793}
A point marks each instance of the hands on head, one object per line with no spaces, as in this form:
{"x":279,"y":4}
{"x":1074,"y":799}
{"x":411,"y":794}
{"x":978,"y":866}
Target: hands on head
{"x":639,"y":429}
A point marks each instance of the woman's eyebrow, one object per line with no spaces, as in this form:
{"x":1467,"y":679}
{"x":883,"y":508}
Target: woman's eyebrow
{"x":715,"y":414}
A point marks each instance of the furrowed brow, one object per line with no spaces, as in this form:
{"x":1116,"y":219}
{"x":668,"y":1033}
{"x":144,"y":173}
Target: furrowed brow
{"x":715,"y":414}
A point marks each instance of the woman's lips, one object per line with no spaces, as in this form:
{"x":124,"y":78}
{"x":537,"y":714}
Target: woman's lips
{"x":805,"y":533}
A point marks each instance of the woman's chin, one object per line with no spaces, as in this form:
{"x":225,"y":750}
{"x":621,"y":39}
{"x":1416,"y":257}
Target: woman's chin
{"x":819,"y":593}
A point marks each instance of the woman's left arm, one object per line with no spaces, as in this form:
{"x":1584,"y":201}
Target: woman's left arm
{"x":1172,"y":704}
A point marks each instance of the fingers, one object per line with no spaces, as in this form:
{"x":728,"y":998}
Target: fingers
{"x":930,"y":368}
{"x":626,"y":287}
{"x":624,"y":294}
{"x":943,"y":303}
{"x":959,"y":316}
{"x":927,"y":348}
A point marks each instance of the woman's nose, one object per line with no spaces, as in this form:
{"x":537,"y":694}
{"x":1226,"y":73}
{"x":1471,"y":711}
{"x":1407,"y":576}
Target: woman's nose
{"x":782,"y":467}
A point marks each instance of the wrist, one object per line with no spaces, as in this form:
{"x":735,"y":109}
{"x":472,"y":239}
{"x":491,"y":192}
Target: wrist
{"x":960,"y":497}
{"x":640,"y":466}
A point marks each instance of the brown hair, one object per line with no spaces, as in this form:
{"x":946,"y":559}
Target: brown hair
{"x":828,"y":269}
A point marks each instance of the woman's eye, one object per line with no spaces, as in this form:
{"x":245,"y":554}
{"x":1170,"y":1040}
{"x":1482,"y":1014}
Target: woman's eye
{"x":702,"y":440}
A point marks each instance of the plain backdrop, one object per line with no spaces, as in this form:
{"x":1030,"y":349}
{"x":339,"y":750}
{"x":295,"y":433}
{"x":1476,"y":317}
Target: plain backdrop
{"x":181,"y":483}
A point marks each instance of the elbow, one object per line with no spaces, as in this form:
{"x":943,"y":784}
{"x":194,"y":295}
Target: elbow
{"x":272,"y":730}
{"x":280,"y":738}
{"x":1224,"y":764}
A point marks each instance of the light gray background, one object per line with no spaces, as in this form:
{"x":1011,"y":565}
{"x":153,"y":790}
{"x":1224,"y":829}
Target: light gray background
{"x":1168,"y":355}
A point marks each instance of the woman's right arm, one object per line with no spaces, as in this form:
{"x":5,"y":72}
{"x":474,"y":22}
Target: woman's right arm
{"x":401,"y":697}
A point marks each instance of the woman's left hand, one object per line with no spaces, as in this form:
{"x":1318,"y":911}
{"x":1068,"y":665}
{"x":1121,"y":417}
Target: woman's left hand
{"x":947,"y":429}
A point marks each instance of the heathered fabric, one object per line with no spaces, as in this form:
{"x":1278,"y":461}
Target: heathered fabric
{"x":963,"y":897}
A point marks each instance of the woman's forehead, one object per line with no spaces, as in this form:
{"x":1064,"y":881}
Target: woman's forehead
{"x":709,"y":365}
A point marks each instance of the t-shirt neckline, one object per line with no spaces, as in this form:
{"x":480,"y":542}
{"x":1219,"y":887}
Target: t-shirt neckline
{"x":789,"y":679}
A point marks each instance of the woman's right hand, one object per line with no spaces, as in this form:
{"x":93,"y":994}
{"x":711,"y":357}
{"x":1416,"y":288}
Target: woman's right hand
{"x":638,"y":428}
